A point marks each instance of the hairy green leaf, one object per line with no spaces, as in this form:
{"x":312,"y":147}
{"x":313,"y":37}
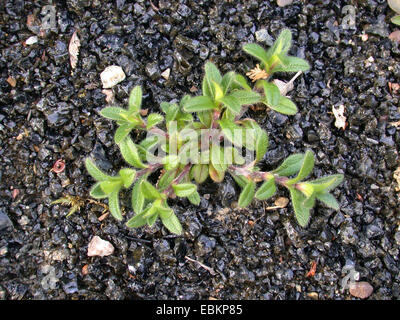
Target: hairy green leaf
{"x":135,"y":99}
{"x":184,"y":189}
{"x":227,"y":81}
{"x":231,"y":103}
{"x":302,"y":212}
{"x":137,"y":196}
{"x":267,"y":190}
{"x":137,"y":221}
{"x":199,"y":172}
{"x":96,"y":192}
{"x":194,"y":198}
{"x":246,"y":97}
{"x":110,"y":186}
{"x":257,"y":52}
{"x":327,"y":183}
{"x":290,"y":166}
{"x":153,"y":119}
{"x":306,"y":167}
{"x":114,"y":113}
{"x":328,"y":199}
{"x":284,"y":106}
{"x":122,"y":132}
{"x":130,"y":153}
{"x":247,"y":194}
{"x":113,"y":204}
{"x":95,"y":172}
{"x":199,"y":103}
{"x":171,"y":222}
{"x":149,"y":191}
{"x":128,"y":176}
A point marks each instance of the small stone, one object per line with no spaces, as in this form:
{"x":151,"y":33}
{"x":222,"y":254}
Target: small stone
{"x":361,"y":289}
{"x":262,"y":35}
{"x":166,"y":74}
{"x":283,"y":3}
{"x":99,"y":247}
{"x":5,"y":221}
{"x":31,"y":40}
{"x":111,"y":76}
{"x":152,"y":70}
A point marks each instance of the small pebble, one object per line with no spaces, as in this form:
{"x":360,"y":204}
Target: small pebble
{"x":31,"y":40}
{"x":361,"y":289}
{"x":111,"y":76}
{"x":100,"y":247}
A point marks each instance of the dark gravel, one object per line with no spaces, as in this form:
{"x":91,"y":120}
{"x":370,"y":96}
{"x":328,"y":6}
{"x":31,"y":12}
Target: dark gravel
{"x":52,"y":113}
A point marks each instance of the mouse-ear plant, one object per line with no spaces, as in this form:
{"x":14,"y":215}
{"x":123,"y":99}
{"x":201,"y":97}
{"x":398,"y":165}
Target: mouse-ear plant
{"x":207,"y":136}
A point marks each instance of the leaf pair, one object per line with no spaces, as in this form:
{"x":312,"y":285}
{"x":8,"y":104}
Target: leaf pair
{"x":275,"y":59}
{"x":153,"y":211}
{"x":218,"y":93}
{"x":127,"y":119}
{"x":109,"y":187}
{"x":274,"y":100}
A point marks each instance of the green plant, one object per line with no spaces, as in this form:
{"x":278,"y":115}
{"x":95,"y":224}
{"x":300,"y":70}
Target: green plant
{"x":395,"y":6}
{"x":206,"y":136}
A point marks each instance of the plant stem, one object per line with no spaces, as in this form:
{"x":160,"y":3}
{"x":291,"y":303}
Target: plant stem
{"x":178,"y":179}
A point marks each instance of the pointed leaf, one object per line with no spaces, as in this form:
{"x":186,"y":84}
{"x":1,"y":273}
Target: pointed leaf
{"x":153,"y":119}
{"x":306,"y":167}
{"x":267,"y":190}
{"x":128,"y":176}
{"x":184,"y":189}
{"x":96,"y":192}
{"x":329,"y":200}
{"x":110,"y":186}
{"x":256,"y":51}
{"x":113,"y":204}
{"x":194,"y":198}
{"x":247,"y":194}
{"x":246,"y":97}
{"x":272,"y":93}
{"x":149,"y":191}
{"x":122,"y":132}
{"x":290,"y":166}
{"x":302,"y":212}
{"x":130,"y":153}
{"x":199,"y":172}
{"x":327,"y":183}
{"x":231,"y":103}
{"x":114,"y":113}
{"x":135,"y":99}
{"x":95,"y":172}
{"x":137,"y":196}
{"x":284,"y":106}
{"x":172,"y":223}
{"x":199,"y":103}
{"x":227,"y":81}
{"x":137,"y":221}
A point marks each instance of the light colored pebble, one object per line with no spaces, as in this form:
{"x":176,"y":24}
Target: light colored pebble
{"x":100,"y":247}
{"x":111,"y":76}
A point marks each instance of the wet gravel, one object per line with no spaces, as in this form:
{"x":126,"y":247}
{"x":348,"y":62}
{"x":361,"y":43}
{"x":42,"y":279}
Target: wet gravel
{"x":50,"y":112}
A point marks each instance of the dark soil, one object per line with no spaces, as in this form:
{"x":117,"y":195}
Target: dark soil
{"x":52,"y":113}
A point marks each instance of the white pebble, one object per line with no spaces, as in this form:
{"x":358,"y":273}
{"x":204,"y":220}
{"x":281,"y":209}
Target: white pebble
{"x":31,"y":40}
{"x":99,"y":247}
{"x":111,"y":76}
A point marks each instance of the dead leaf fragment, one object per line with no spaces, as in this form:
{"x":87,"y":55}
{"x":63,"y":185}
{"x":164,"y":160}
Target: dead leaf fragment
{"x":281,"y":202}
{"x":313,"y":269}
{"x":12,"y":82}
{"x":73,"y":49}
{"x":361,"y":289}
{"x":99,"y":247}
{"x":339,"y":116}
